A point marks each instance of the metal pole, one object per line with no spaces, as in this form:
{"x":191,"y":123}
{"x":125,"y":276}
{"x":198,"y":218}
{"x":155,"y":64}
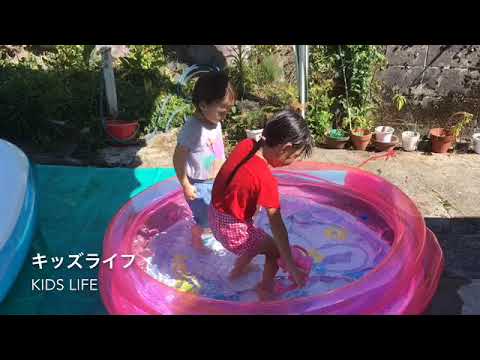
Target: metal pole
{"x":301,"y":60}
{"x":110,"y":88}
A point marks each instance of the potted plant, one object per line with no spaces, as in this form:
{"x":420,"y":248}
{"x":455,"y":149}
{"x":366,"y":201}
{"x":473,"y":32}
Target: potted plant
{"x":476,"y":142}
{"x":443,"y":138}
{"x":360,"y":122}
{"x":384,"y":134}
{"x":410,"y":138}
{"x":336,"y":139}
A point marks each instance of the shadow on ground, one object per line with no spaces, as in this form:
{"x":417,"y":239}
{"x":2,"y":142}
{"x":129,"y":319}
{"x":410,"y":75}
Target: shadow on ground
{"x":460,"y":242}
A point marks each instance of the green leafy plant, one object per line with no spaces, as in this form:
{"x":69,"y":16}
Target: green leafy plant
{"x":254,"y":68}
{"x":355,"y":68}
{"x":237,"y":123}
{"x":400,"y":101}
{"x":319,"y":113}
{"x":361,"y":118}
{"x":337,"y":134}
{"x":267,"y":69}
{"x":169,"y":111}
{"x":466,"y":119}
{"x":144,"y":57}
{"x":240,"y":72}
{"x":60,"y":85}
{"x":277,"y":94}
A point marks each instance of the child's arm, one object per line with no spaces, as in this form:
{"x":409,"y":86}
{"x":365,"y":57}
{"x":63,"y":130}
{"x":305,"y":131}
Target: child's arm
{"x":179,"y":161}
{"x":280,"y":237}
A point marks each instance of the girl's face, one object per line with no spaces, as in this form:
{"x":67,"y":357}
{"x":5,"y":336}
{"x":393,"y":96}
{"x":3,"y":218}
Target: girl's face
{"x":217,"y":111}
{"x":283,"y":155}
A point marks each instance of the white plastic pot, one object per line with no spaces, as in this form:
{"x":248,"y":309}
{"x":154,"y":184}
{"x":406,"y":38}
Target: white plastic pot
{"x":476,"y":142}
{"x":254,"y":134}
{"x":384,"y":134}
{"x":410,"y":140}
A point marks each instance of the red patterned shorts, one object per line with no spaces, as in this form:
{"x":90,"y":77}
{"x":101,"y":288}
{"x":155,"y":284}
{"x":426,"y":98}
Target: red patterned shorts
{"x":235,"y":235}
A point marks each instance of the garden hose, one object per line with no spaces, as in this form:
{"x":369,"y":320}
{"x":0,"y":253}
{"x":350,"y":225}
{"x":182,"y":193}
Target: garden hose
{"x":189,"y":73}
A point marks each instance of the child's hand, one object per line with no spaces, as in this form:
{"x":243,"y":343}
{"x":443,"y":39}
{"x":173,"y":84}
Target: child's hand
{"x":190,"y":192}
{"x":299,"y":276}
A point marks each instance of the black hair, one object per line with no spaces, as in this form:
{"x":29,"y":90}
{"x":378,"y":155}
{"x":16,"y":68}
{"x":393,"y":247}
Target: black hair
{"x":210,"y":87}
{"x":285,"y":127}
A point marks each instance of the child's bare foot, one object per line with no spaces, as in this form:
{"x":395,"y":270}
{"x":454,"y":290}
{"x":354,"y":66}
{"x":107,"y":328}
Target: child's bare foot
{"x":197,"y":242}
{"x":265,"y":293}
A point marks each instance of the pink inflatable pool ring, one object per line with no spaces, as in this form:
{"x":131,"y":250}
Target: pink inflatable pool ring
{"x":369,"y":248}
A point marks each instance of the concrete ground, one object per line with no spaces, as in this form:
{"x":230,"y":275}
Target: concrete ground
{"x":446,"y":188}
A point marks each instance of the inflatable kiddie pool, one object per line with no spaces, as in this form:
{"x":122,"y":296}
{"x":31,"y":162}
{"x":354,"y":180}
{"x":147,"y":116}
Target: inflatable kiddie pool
{"x":372,"y":252}
{"x":17,"y":213}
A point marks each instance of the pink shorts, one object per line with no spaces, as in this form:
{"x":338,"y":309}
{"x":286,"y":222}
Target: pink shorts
{"x":237,"y":236}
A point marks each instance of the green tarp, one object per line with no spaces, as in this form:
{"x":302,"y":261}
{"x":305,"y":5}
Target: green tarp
{"x":76,"y":204}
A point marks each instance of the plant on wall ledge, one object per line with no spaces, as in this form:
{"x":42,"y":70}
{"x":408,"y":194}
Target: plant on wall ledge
{"x":399,"y":101}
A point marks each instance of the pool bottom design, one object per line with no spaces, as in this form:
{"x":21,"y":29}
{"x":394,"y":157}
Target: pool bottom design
{"x":343,"y":248}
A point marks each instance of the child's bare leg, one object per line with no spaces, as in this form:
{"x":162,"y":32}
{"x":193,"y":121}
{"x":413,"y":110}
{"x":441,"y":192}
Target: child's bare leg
{"x":241,"y":265}
{"x":269,"y":272}
{"x":197,"y":232}
{"x":265,"y":287}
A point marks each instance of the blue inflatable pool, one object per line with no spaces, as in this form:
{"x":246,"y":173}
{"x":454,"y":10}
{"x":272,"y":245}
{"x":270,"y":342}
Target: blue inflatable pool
{"x":18,"y":214}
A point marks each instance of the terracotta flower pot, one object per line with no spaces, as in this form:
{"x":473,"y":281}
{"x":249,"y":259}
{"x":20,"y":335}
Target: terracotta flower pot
{"x":336,"y":142}
{"x":361,"y":138}
{"x":442,"y":140}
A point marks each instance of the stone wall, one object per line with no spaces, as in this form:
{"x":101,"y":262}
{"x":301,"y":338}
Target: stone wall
{"x":437,"y":80}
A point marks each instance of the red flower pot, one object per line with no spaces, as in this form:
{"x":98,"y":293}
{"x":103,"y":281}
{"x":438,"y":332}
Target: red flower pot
{"x":121,"y":130}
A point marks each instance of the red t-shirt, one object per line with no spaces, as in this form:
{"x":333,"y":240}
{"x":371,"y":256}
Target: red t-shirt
{"x":252,"y":185}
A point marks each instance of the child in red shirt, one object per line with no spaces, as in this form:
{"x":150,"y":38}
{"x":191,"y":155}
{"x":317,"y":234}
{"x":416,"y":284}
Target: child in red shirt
{"x":245,"y":183}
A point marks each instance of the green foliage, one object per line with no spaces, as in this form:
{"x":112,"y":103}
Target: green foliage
{"x":266,"y":69}
{"x":360,"y":118}
{"x":400,"y":101}
{"x":277,"y":94}
{"x":68,"y":58}
{"x":319,"y":113}
{"x":354,"y":90}
{"x":358,"y":65}
{"x":32,"y":98}
{"x":168,"y":108}
{"x":144,"y":57}
{"x":259,"y":74}
{"x":236,"y":124}
{"x":60,"y":85}
{"x":255,"y":68}
{"x":337,"y":134}
{"x":240,"y":72}
{"x":466,"y":118}
{"x":259,"y":51}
